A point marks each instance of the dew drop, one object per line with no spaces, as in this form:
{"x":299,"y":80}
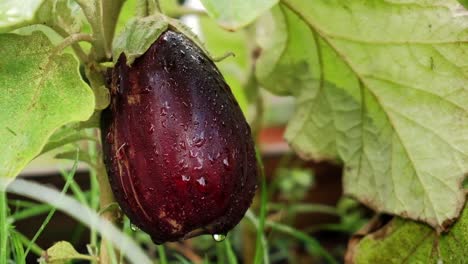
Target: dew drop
{"x":151,"y":129}
{"x":193,"y":154}
{"x":219,"y":237}
{"x":182,"y":145}
{"x":198,"y":140}
{"x":163,"y":111}
{"x":226,"y":163}
{"x":109,"y":138}
{"x":185,"y":178}
{"x":147,"y":89}
{"x":134,"y":227}
{"x":199,"y":167}
{"x":201,"y":181}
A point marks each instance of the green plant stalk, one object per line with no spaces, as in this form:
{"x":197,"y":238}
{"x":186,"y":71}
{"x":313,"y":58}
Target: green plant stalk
{"x":162,"y":254}
{"x":261,"y":250}
{"x":4,"y":227}
{"x":102,"y":16}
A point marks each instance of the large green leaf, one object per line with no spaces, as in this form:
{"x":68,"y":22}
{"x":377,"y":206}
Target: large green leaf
{"x":14,"y":13}
{"x":403,"y":241}
{"x":383,"y":86}
{"x":234,"y":14}
{"x":40,"y":91}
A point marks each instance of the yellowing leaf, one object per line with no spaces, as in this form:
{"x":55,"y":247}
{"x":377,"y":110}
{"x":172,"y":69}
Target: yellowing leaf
{"x":61,"y":252}
{"x":383,"y":86}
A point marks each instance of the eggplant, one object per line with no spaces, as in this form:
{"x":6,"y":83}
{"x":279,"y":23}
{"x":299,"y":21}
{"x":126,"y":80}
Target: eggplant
{"x":176,"y":145}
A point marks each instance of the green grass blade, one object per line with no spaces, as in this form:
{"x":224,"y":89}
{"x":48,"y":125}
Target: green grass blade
{"x":162,"y":254}
{"x":304,"y":208}
{"x":219,"y":253}
{"x":261,"y":248}
{"x":30,"y":212}
{"x":303,"y":237}
{"x":231,"y":256}
{"x":69,"y":177}
{"x":37,"y":250}
{"x":83,"y":214}
{"x":20,"y":256}
{"x":4,"y":227}
{"x":181,"y":259}
{"x":76,"y":189}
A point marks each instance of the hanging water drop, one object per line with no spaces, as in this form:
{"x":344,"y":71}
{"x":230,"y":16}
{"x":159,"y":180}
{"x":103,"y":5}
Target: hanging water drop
{"x":219,"y":237}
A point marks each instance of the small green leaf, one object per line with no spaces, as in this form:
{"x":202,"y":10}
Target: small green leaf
{"x":404,"y":241}
{"x":382,"y":86}
{"x":40,"y":92}
{"x":14,"y":13}
{"x":137,"y":36}
{"x":234,"y":14}
{"x":62,"y":252}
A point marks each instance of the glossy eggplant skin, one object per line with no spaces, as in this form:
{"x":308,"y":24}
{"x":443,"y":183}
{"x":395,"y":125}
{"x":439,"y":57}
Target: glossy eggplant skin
{"x":177,"y":148}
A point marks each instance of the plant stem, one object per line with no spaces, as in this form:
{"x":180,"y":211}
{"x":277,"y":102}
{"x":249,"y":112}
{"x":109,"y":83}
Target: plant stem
{"x":102,"y":16}
{"x":4,"y":226}
{"x":106,"y":199}
{"x":73,"y":39}
{"x":157,"y":6}
{"x":80,"y":53}
{"x":110,"y":13}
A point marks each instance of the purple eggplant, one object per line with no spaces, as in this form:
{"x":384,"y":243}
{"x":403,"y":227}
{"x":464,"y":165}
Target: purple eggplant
{"x":176,"y":145}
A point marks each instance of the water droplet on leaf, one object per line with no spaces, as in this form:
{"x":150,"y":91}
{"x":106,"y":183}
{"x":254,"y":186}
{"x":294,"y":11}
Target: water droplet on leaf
{"x":134,"y":227}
